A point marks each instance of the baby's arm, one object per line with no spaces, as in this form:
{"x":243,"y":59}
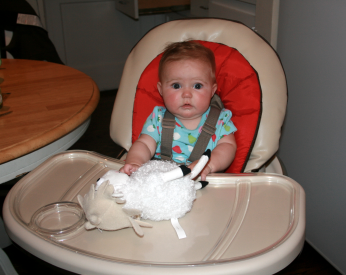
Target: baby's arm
{"x":221,"y":157}
{"x":141,"y":151}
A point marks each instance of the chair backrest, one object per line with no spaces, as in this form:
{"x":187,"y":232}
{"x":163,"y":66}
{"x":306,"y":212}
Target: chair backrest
{"x":237,"y":86}
{"x":256,"y":51}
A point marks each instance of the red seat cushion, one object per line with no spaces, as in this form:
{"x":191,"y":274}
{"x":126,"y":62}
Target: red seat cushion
{"x":238,"y":88}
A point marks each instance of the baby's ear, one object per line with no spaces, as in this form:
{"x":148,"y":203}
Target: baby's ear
{"x":159,"y":87}
{"x":214,"y":88}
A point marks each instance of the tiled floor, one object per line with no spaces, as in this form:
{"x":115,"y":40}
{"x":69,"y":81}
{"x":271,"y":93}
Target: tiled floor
{"x":97,"y":139}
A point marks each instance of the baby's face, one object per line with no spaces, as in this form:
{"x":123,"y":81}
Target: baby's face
{"x":187,"y":87}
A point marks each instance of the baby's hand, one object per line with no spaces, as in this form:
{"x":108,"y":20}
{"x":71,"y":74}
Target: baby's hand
{"x":206,"y":170}
{"x":129,"y":168}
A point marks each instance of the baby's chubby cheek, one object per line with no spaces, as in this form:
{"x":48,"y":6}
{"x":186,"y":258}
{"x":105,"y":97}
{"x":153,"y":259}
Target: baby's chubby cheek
{"x":172,"y":102}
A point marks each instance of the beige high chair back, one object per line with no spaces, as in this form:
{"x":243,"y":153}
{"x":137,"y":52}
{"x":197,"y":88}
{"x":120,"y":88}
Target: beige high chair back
{"x":256,"y":51}
{"x":248,"y":223}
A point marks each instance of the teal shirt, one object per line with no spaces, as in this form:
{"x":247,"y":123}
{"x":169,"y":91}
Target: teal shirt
{"x":184,"y":139}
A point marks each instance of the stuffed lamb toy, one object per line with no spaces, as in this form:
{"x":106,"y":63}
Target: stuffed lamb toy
{"x":104,"y":212}
{"x":158,"y":190}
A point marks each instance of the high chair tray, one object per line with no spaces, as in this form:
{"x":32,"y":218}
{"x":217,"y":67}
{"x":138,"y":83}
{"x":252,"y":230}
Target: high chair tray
{"x":239,"y":224}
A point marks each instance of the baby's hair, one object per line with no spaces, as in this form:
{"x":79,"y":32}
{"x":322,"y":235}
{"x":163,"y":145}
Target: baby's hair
{"x":187,"y":50}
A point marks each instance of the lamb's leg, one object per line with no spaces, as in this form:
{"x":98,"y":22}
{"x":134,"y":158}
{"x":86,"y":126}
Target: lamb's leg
{"x":200,"y":164}
{"x":176,"y":173}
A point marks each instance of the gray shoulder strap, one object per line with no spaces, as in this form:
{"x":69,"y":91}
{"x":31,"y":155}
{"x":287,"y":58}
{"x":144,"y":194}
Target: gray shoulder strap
{"x":168,"y":125}
{"x":216,"y":101}
{"x":208,"y":130}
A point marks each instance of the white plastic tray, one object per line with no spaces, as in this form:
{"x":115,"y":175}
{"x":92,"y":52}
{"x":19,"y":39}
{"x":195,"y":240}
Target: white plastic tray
{"x":239,"y":223}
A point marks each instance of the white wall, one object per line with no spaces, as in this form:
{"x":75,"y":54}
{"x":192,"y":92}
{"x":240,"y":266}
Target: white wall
{"x":312,"y":47}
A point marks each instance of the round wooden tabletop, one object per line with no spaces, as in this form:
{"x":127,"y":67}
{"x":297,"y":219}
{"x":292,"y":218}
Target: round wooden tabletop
{"x":42,"y":102}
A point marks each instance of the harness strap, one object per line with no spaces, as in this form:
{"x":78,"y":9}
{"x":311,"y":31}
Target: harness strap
{"x":208,"y":129}
{"x":168,"y":125}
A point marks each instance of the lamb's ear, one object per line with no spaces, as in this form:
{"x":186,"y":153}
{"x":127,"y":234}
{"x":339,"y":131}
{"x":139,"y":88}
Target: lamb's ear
{"x":105,"y":190}
{"x":103,"y":187}
{"x":91,"y":194}
{"x":99,"y":182}
{"x":144,"y":224}
{"x":80,"y":200}
{"x":136,"y":227}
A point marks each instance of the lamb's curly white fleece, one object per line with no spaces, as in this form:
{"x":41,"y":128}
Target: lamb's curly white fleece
{"x":157,"y":200}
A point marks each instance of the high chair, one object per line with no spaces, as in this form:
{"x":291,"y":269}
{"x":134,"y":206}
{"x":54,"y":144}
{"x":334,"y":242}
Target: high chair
{"x":250,"y":220}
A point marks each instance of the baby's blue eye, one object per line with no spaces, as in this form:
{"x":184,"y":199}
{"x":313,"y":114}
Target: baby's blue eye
{"x":198,"y":86}
{"x":176,"y":86}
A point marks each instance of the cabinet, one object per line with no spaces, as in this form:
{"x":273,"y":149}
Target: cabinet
{"x":200,"y":8}
{"x":232,"y":9}
{"x":134,"y":8}
{"x":260,"y":15}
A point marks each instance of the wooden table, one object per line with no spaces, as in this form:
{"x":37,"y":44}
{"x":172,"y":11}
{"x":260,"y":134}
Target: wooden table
{"x":47,"y":103}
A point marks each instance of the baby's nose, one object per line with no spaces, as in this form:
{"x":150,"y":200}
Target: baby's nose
{"x":187,"y":92}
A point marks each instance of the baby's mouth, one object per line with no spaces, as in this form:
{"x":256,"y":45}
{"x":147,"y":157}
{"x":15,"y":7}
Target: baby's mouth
{"x":187,"y":105}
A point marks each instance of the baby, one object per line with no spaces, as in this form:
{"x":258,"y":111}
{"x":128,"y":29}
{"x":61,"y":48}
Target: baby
{"x":186,"y":83}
